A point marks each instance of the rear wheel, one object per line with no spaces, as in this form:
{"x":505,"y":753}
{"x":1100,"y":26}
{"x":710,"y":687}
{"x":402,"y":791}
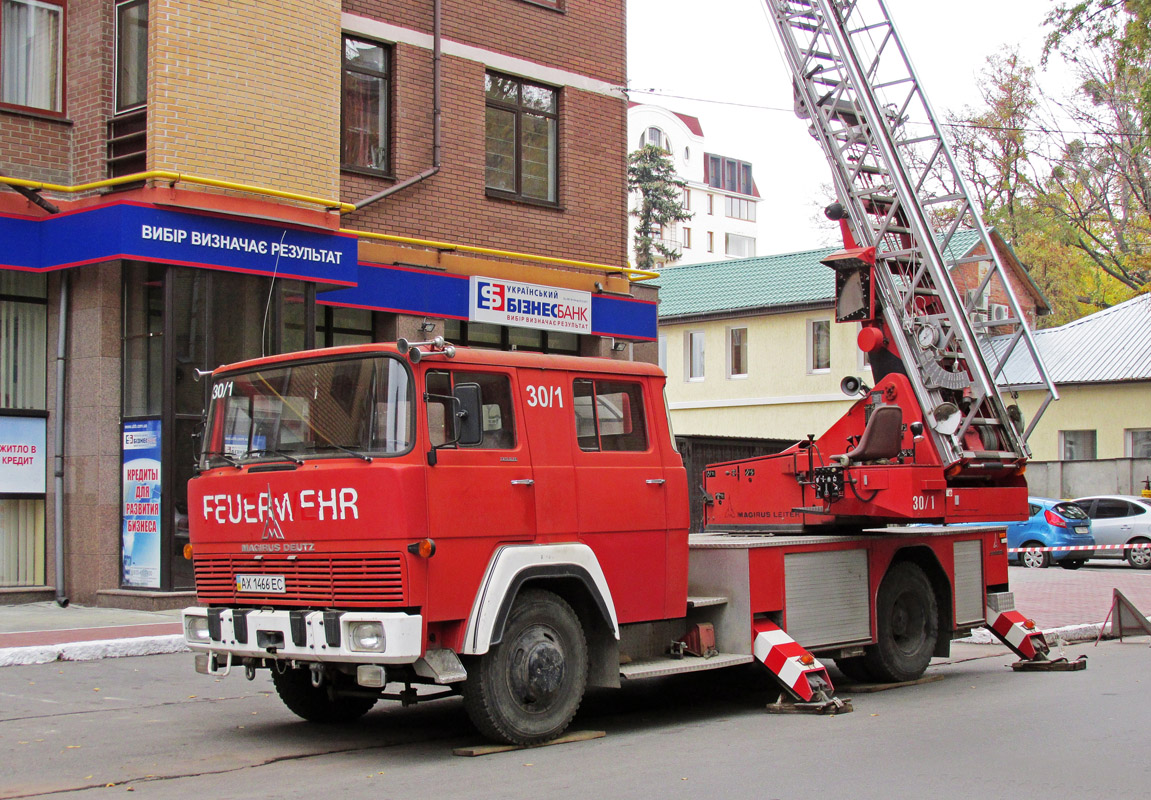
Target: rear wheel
{"x":1032,"y":559}
{"x":526,"y":689}
{"x":1140,"y":557}
{"x":908,"y":625}
{"x":318,"y":703}
{"x":1068,"y":563}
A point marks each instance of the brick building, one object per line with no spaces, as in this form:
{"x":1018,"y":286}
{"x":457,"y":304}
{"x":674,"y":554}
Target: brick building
{"x":185,"y":184}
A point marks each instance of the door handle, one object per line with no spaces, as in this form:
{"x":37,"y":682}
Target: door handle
{"x":523,"y":482}
{"x":656,"y":481}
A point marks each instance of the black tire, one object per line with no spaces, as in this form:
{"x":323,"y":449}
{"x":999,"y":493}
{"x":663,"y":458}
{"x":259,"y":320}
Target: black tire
{"x":1068,"y":563}
{"x":908,"y":625}
{"x":317,"y":704}
{"x":1139,"y":557}
{"x":1035,"y":560}
{"x":855,"y":669}
{"x":526,"y":689}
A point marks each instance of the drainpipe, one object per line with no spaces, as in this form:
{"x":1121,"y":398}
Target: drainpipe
{"x":436,"y":114}
{"x":61,"y":395}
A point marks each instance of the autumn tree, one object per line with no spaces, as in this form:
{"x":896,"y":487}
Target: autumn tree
{"x":651,"y":175}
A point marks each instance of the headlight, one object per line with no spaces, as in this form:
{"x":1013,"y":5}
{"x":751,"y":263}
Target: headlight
{"x":367,"y":637}
{"x":196,"y":629}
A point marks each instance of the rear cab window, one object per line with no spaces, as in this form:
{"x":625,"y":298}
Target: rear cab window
{"x":610,"y":415}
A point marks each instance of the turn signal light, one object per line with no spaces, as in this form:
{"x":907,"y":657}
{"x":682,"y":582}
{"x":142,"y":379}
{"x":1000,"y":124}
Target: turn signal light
{"x":807,"y":659}
{"x":424,"y":548}
{"x":188,"y":552}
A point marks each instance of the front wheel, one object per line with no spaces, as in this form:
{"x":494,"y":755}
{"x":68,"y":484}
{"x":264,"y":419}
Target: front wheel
{"x":1140,"y":556}
{"x":908,"y":625}
{"x":318,"y":703}
{"x":526,"y":689}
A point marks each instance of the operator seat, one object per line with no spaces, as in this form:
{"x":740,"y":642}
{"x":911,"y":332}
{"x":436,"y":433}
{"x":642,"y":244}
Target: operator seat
{"x":882,"y":437}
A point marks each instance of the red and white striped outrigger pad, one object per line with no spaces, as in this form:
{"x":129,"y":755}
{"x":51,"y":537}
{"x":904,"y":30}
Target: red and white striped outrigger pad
{"x":786,"y":658}
{"x":1017,"y":632}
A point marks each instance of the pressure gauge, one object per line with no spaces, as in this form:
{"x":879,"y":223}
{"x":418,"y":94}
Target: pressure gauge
{"x":927,"y":336}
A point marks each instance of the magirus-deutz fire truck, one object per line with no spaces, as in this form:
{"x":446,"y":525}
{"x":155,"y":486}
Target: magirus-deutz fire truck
{"x":410,"y":520}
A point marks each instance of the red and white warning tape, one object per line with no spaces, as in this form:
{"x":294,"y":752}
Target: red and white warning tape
{"x":1077,"y":547}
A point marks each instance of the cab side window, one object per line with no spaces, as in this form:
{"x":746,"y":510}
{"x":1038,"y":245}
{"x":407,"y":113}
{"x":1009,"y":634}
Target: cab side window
{"x":498,"y":422}
{"x":609,"y":415}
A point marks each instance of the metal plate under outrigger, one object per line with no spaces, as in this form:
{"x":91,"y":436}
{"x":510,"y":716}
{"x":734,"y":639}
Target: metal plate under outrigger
{"x":1021,"y":635}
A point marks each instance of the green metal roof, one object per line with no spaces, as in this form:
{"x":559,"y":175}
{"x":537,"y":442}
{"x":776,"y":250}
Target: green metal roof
{"x":743,"y":284}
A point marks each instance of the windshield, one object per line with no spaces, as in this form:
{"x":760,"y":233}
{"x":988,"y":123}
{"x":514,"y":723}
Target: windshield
{"x":358,"y":406}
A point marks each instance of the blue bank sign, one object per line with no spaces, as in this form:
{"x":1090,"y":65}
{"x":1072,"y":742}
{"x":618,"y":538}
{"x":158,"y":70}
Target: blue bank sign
{"x":148,"y":233}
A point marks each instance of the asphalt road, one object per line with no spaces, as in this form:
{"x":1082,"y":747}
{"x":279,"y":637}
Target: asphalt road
{"x":153,"y":727}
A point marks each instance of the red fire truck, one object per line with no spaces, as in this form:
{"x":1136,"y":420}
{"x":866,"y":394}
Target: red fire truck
{"x":378,"y":521}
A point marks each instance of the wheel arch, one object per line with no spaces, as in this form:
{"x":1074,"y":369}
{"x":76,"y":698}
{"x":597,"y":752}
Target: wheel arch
{"x":924,"y":558}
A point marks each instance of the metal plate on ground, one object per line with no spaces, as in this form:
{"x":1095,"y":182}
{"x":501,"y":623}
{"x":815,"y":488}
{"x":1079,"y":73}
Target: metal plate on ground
{"x":490,"y":749}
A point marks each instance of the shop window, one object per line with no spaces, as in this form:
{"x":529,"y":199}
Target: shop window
{"x":337,"y":326}
{"x":364,"y":106}
{"x":1077,"y":445}
{"x":521,"y":139}
{"x":609,"y":415}
{"x":483,"y":334}
{"x":818,"y":345}
{"x":32,"y":54}
{"x":23,"y":426}
{"x":143,"y":342}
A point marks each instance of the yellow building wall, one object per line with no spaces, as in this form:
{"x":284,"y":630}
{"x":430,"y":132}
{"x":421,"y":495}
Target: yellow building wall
{"x":780,"y":398}
{"x":247,"y":91}
{"x":1108,"y":409}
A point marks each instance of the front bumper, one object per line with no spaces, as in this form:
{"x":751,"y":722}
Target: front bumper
{"x":322,"y":636}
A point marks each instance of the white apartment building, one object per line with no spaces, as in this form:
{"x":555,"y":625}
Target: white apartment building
{"x":721,"y":193}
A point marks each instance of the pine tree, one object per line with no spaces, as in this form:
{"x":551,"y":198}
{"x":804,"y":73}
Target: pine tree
{"x":651,"y":173}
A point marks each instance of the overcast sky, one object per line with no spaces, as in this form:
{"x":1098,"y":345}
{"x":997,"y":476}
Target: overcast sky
{"x":726,"y":51}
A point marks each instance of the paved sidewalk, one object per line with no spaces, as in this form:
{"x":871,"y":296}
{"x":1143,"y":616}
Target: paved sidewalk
{"x":1056,"y":597}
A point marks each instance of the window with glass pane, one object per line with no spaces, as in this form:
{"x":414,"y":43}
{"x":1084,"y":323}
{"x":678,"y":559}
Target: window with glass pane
{"x":694,"y":355}
{"x":1139,"y":443}
{"x":818,"y":345}
{"x":32,"y":53}
{"x":143,"y":343}
{"x":609,"y":415}
{"x":520,"y":132}
{"x":737,"y":354}
{"x":23,"y":340}
{"x":364,"y":105}
{"x":1078,"y":445}
{"x":739,"y":246}
{"x":131,"y":55}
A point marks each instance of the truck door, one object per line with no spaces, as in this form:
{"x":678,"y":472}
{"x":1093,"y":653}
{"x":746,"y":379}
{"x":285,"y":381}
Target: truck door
{"x":621,"y":491}
{"x":478,"y":497}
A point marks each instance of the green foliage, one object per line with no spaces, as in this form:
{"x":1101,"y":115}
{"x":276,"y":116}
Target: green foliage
{"x":651,"y":174}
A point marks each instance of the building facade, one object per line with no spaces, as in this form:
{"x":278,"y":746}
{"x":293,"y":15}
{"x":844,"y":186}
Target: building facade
{"x":184,"y":185}
{"x":720,"y":195}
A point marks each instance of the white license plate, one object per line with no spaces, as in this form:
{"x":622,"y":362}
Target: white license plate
{"x":263,"y":584}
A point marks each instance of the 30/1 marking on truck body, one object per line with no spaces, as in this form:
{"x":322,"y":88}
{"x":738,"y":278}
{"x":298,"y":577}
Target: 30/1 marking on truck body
{"x":545,"y":396}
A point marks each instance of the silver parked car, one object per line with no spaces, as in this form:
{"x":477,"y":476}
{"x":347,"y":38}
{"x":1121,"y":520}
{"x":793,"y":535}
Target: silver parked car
{"x":1121,"y":519}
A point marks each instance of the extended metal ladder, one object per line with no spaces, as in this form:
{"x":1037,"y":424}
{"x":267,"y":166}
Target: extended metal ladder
{"x":893,"y":171}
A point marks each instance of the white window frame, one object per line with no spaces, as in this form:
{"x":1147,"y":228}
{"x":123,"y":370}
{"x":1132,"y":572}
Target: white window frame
{"x":748,"y":243}
{"x":662,"y":350}
{"x":812,"y":369}
{"x":862,"y":359}
{"x":1129,"y":441}
{"x":689,"y":337}
{"x":731,"y":374}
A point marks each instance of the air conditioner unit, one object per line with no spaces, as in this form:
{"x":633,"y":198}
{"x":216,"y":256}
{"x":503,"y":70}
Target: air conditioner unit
{"x":998,"y":311}
{"x":976,"y":301}
{"x":979,"y":317}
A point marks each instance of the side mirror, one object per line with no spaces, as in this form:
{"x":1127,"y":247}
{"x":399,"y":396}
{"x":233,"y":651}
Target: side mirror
{"x":469,"y":414}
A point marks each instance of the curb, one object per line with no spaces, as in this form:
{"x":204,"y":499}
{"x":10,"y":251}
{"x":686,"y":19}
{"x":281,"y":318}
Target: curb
{"x":93,"y":650}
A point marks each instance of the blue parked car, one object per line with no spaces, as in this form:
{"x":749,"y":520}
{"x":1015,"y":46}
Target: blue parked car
{"x":1053,"y":523}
